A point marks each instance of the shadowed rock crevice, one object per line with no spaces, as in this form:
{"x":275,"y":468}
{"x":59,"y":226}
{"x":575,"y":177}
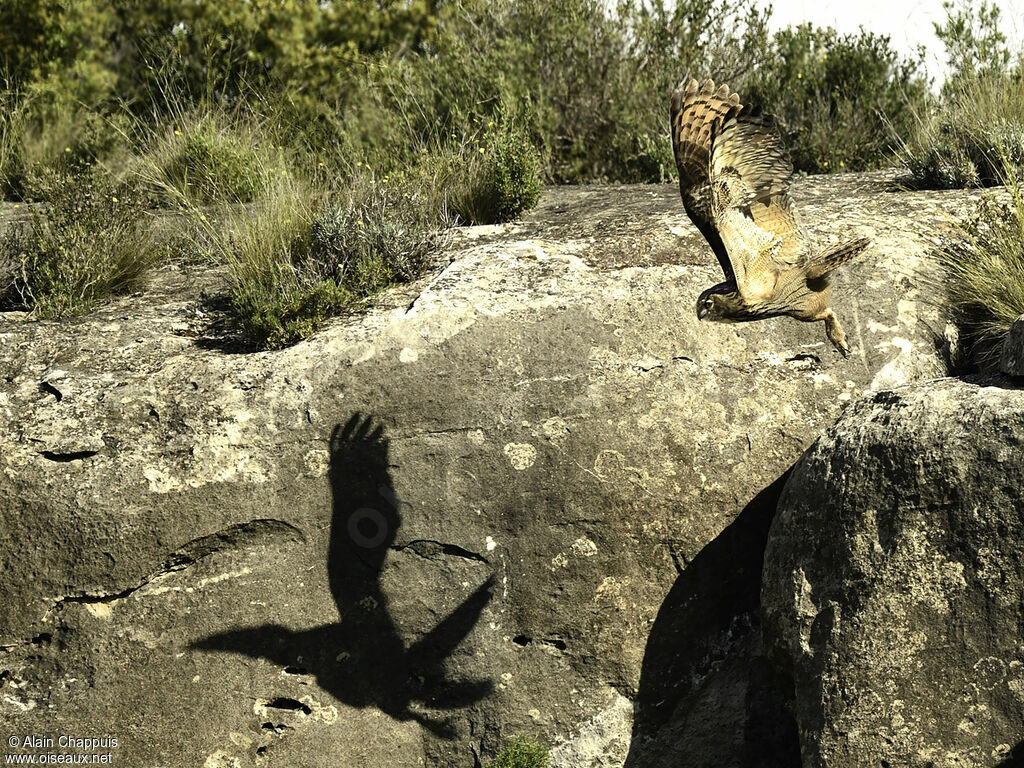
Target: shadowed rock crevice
{"x":431,"y":550}
{"x":255,"y":533}
{"x":707,"y":696}
{"x":62,"y":457}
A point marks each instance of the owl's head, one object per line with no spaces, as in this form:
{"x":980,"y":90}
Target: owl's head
{"x":722,"y":306}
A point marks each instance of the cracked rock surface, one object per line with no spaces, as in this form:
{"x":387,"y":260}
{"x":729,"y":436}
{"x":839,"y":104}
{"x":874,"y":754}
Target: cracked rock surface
{"x":439,"y":524}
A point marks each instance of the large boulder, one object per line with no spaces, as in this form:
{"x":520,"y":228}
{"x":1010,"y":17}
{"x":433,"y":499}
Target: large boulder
{"x":893,"y":592}
{"x":449,"y":520}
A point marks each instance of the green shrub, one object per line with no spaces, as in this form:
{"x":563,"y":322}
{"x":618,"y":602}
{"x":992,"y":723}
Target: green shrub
{"x":975,"y":46}
{"x":297,"y":259}
{"x":206,"y":159}
{"x":984,"y":273}
{"x":380,"y":235}
{"x":497,"y":179}
{"x":839,"y":98}
{"x":589,"y":81}
{"x":86,"y":243}
{"x":37,"y":152}
{"x":521,"y":753}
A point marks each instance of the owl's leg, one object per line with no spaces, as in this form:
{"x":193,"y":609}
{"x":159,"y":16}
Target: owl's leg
{"x":834,"y":331}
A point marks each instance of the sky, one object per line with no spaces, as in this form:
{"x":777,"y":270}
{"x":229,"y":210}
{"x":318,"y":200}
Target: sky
{"x":907,"y":22}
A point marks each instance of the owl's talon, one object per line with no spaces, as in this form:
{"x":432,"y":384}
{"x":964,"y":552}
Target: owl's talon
{"x":835,"y":334}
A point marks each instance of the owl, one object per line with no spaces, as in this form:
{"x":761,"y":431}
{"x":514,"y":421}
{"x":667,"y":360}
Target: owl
{"x":734,"y":178}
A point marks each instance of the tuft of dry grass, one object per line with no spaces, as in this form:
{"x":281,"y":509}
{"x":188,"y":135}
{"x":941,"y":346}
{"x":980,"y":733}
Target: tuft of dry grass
{"x":984,"y":271}
{"x":206,"y":157}
{"x":300,"y":255}
{"x":968,"y":139}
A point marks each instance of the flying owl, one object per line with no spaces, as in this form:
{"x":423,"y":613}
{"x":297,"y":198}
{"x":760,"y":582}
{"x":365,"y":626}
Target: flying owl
{"x":734,"y":177}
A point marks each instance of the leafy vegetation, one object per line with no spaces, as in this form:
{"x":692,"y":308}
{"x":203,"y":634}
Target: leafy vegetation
{"x":206,"y":158}
{"x":521,"y":753}
{"x":841,"y":99}
{"x":499,"y":178}
{"x":87,"y":243}
{"x":965,"y":138}
{"x":302,"y":257}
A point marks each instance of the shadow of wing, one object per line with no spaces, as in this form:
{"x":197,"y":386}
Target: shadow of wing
{"x":268,"y":641}
{"x":435,"y":646}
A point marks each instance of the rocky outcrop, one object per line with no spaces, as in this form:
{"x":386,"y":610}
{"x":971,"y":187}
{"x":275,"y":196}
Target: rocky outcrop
{"x":526,"y":495}
{"x":894,"y":578}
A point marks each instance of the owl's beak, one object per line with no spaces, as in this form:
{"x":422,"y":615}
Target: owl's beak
{"x":702,"y":312}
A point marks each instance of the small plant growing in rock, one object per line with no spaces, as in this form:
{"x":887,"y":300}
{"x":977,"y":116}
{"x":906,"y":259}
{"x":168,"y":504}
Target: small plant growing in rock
{"x":521,"y":753}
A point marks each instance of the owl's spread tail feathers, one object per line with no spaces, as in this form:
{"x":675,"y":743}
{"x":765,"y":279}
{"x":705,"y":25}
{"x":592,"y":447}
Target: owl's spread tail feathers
{"x":822,"y":264}
{"x":696,"y":109}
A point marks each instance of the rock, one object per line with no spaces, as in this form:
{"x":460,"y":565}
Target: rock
{"x":893,"y":581}
{"x":451,"y":520}
{"x":1012,"y":360}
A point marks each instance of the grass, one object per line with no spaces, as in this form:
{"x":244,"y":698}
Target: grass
{"x":498,"y":177}
{"x":207,"y":157}
{"x":965,"y":140}
{"x":305,"y":249}
{"x":86,"y":243}
{"x":984,"y":270}
{"x":521,"y":753}
{"x":38,"y":154}
{"x":461,"y":118}
{"x":12,"y":136}
{"x":301,"y":255}
{"x":300,"y":248}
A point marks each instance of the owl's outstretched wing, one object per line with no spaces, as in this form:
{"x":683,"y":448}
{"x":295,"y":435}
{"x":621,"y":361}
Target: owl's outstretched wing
{"x":696,"y":110}
{"x":751,"y":172}
{"x":734,"y":177}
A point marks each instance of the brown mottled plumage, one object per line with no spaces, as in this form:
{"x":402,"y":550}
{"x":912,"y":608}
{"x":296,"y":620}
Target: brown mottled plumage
{"x":734,"y":177}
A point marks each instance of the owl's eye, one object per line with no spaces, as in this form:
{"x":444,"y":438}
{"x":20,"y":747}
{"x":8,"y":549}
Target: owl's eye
{"x":708,"y":303}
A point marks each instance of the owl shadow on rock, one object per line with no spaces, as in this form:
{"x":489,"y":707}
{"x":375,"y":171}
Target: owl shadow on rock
{"x":362,"y":659}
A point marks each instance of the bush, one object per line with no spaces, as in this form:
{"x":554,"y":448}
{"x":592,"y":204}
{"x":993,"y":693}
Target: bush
{"x":37,"y":152}
{"x":207,"y":158}
{"x":86,"y":243}
{"x":497,"y":179}
{"x":984,"y":274}
{"x":378,"y":236}
{"x":346,"y":82}
{"x":297,"y":259}
{"x":521,"y":753}
{"x":964,"y":139}
{"x":839,"y":98}
{"x":594,"y":78}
